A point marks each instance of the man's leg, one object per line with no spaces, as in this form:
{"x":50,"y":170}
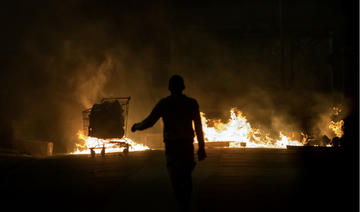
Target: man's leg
{"x":180,"y":169}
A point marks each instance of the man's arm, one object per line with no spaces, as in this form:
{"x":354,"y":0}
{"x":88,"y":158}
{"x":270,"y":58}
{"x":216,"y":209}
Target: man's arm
{"x":150,"y":120}
{"x":199,"y":134}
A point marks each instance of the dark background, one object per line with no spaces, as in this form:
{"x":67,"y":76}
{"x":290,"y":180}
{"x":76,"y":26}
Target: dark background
{"x":60,"y":57}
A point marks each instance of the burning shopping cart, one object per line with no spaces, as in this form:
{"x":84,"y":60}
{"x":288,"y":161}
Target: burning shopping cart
{"x":107,"y":121}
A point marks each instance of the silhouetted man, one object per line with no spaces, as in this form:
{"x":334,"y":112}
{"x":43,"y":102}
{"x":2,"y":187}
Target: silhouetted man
{"x":178,"y":113}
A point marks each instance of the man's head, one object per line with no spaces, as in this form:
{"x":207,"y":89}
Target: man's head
{"x":176,"y":84}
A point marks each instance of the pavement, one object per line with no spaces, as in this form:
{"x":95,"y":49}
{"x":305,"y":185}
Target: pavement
{"x":228,"y":180}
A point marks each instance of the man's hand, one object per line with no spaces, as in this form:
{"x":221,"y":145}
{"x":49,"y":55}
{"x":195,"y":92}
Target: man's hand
{"x":201,"y":154}
{"x":135,"y":127}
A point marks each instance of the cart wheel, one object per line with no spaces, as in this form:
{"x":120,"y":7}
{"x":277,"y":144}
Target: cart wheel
{"x":103,"y":152}
{"x":92,"y":152}
{"x":126,"y":150}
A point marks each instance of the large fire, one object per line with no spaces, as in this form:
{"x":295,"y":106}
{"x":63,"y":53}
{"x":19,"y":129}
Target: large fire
{"x":111,"y":145}
{"x":237,"y":131}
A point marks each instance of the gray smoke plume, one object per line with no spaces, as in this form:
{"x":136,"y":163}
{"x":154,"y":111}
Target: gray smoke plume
{"x":62,"y":57}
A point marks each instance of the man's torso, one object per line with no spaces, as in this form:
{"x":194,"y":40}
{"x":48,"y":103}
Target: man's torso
{"x":178,"y":112}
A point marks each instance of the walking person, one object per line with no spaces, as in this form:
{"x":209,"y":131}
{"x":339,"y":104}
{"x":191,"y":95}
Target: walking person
{"x":178,"y":113}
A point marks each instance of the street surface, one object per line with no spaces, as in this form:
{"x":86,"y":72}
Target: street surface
{"x":228,"y":180}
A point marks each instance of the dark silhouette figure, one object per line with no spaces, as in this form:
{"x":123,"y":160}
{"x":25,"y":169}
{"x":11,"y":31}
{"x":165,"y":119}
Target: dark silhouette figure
{"x":178,"y":113}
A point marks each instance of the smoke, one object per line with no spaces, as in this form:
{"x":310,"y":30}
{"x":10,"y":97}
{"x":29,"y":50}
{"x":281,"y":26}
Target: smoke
{"x":63,"y":62}
{"x":62,"y":57}
{"x":245,"y":73}
{"x":71,"y":81}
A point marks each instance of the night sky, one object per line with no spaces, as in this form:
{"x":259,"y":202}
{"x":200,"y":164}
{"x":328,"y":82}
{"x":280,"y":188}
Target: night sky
{"x":60,"y":57}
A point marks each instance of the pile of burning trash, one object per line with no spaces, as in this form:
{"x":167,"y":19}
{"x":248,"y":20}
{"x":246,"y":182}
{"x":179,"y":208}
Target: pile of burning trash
{"x":238,"y":132}
{"x":107,"y":128}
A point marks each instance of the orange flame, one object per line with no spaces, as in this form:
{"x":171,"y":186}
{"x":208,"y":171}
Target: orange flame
{"x":111,"y":145}
{"x":337,"y":126}
{"x":239,"y":133}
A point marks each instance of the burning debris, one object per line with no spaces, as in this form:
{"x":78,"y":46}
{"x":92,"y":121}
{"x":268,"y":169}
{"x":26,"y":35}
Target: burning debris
{"x":106,"y":125}
{"x":239,"y":133}
{"x":111,"y":145}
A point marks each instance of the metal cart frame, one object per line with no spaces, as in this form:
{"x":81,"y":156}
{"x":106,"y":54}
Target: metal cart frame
{"x":124,"y":101}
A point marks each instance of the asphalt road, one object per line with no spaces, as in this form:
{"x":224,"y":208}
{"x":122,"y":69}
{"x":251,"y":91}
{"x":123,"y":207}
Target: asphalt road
{"x":228,"y":180}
